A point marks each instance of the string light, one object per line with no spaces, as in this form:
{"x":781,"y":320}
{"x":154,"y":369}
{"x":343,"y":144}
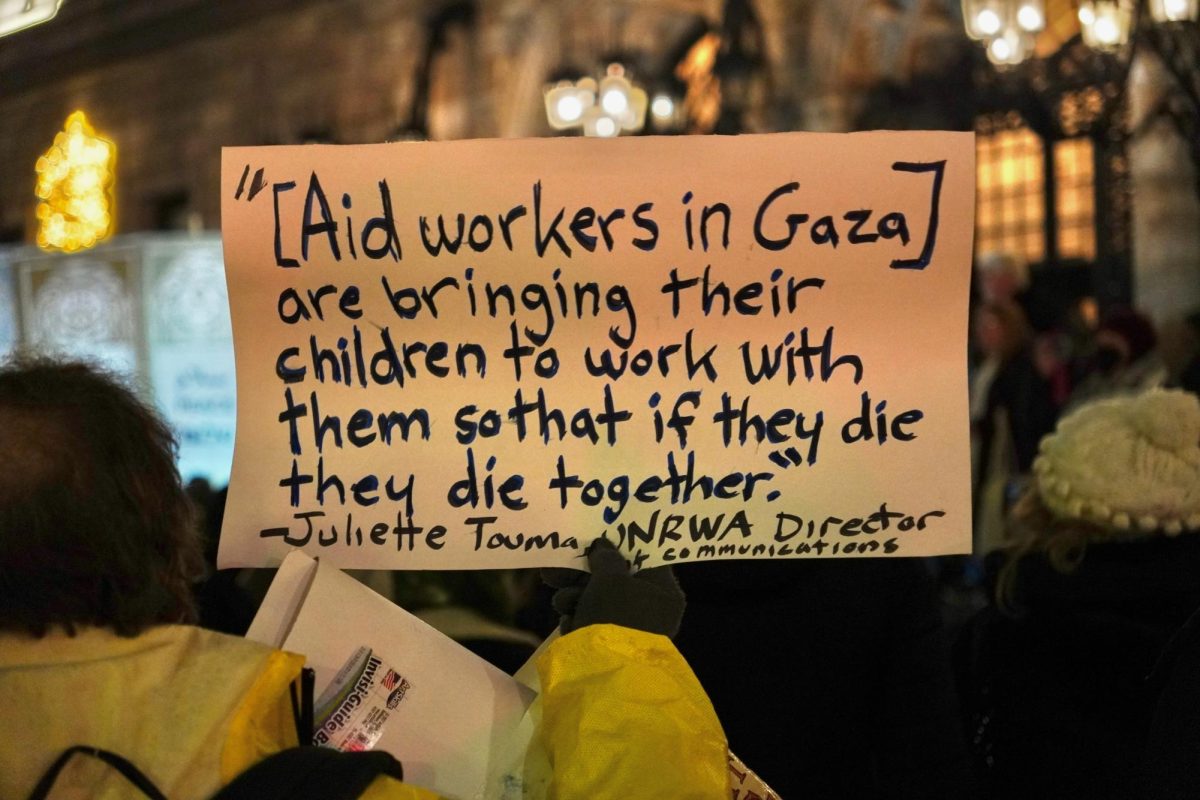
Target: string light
{"x":74,"y":188}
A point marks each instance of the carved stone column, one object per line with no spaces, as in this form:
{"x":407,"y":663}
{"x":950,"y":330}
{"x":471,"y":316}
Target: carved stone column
{"x":1166,"y":208}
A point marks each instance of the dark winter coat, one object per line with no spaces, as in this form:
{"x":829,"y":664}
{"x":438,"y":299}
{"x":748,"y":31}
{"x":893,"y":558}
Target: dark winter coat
{"x":1057,"y":696}
{"x":831,"y":678}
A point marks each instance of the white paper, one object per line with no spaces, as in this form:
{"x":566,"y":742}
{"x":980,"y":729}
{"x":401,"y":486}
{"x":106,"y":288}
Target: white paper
{"x":456,"y":729}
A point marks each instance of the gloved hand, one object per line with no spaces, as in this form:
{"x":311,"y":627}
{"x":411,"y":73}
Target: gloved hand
{"x":649,"y":601}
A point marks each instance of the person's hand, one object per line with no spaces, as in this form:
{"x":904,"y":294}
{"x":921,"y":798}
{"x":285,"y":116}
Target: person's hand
{"x":649,"y":601}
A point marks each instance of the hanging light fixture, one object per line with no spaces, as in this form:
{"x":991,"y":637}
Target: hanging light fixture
{"x":567,"y":102}
{"x":983,"y":18}
{"x":1006,"y":27}
{"x":1031,"y":17}
{"x":1010,"y":48}
{"x":662,"y":106}
{"x":606,"y":108}
{"x":1106,"y":24}
{"x":1175,"y":10}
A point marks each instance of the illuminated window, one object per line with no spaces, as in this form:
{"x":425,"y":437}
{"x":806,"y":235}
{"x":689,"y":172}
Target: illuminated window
{"x":1010,"y":212}
{"x":1074,"y":198}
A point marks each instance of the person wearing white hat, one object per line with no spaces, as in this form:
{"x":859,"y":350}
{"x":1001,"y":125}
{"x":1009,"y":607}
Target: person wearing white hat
{"x":1102,"y":567}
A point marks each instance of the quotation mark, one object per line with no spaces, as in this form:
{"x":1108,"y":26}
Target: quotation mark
{"x":786,"y":458}
{"x":257,"y":185}
{"x":783,"y":459}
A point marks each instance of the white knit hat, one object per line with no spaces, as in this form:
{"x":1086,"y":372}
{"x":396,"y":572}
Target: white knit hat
{"x":1127,"y":464}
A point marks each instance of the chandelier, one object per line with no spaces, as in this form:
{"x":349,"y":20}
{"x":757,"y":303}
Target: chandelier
{"x":605,"y":108}
{"x":1008,"y":27}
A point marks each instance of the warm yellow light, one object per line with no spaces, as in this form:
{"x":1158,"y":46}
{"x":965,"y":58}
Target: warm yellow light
{"x":74,"y":187}
{"x":1106,"y":24}
{"x":988,"y":22}
{"x":702,"y":102}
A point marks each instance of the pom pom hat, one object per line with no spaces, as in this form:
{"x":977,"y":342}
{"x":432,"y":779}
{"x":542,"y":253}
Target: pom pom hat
{"x":1131,"y":465}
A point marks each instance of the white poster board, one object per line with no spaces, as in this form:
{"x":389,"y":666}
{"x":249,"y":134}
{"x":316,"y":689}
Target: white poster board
{"x":487,"y":353}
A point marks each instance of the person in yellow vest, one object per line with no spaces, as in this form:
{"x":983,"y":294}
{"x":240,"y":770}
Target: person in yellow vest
{"x":98,"y":552}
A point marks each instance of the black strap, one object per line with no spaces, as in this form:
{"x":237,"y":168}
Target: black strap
{"x":311,"y":773}
{"x":308,"y":682}
{"x":302,"y":705}
{"x":128,"y":771}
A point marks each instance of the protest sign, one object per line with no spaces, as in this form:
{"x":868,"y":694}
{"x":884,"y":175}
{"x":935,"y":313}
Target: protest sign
{"x":487,"y":353}
{"x":746,"y":785}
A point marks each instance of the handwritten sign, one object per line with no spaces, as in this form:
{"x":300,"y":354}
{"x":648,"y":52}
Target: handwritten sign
{"x":487,"y":353}
{"x":745,"y":784}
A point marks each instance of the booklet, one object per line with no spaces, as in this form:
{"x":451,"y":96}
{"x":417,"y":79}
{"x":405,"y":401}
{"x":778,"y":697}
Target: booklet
{"x":385,"y":679}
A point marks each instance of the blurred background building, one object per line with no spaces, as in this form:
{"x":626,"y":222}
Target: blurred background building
{"x":1088,"y":189}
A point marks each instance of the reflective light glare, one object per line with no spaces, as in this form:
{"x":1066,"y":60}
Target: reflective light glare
{"x":1000,"y":49}
{"x":988,"y":22}
{"x":1086,"y":15}
{"x":569,"y":108}
{"x":1029,"y":18}
{"x":605,"y":126}
{"x":662,"y":107}
{"x":614,"y":102}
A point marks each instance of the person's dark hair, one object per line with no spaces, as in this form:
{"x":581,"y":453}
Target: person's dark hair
{"x":1134,"y":328}
{"x":95,"y":528}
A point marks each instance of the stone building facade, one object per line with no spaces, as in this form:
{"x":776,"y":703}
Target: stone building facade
{"x":172,"y":81}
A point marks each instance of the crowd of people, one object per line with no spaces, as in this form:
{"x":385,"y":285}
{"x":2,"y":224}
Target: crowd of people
{"x":1076,"y":675}
{"x":1086,"y":437}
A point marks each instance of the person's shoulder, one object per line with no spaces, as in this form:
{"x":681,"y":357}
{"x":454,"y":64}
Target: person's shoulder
{"x":199,"y":649}
{"x":92,"y":644}
{"x":193,"y":637}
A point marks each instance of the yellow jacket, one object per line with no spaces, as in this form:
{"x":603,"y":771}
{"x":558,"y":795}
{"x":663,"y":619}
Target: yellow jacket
{"x":623,"y":715}
{"x":189,"y":707}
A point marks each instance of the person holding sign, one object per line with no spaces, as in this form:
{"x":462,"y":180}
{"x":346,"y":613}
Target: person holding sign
{"x":98,"y":551}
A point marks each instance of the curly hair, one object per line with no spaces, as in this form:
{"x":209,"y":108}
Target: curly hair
{"x":95,"y":528}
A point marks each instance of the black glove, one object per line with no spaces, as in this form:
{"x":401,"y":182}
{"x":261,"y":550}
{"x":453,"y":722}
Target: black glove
{"x":649,"y":601}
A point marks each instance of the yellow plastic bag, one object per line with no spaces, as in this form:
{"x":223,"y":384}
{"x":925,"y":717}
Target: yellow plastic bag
{"x":623,"y":716}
